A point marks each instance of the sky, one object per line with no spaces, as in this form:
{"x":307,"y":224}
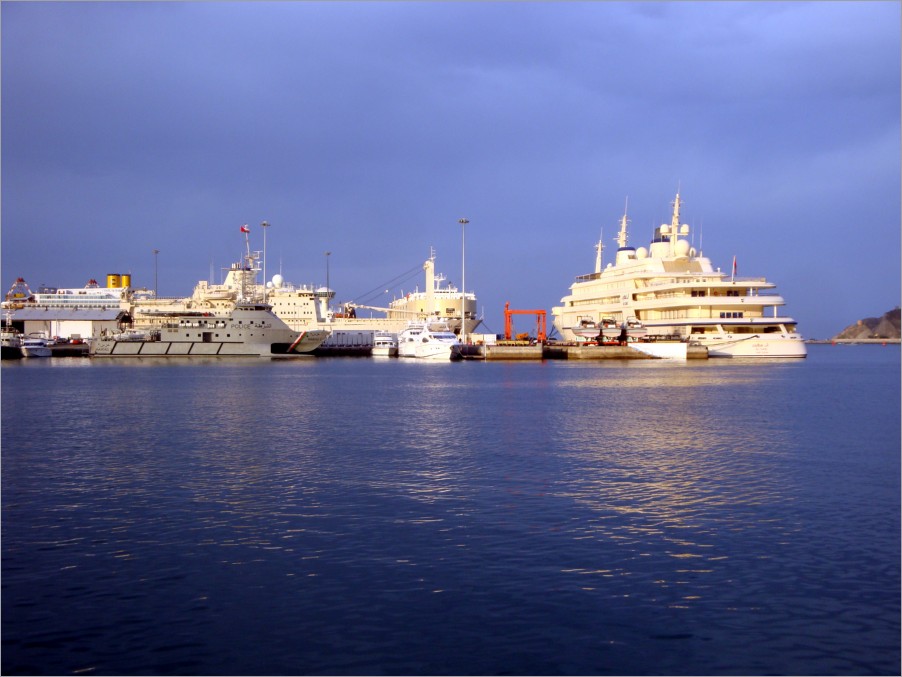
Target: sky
{"x":368,"y":130}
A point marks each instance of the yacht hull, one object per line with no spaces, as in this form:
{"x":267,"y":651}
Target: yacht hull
{"x":439,"y":353}
{"x":755,"y":347}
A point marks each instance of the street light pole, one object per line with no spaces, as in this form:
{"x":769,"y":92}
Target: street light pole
{"x":264,"y":226}
{"x":155,"y":252}
{"x":463,"y":280}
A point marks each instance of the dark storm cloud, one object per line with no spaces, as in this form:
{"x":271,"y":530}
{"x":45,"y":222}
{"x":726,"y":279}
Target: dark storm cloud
{"x":368,"y":129}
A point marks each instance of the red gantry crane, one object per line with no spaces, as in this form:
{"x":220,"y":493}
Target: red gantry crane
{"x":508,"y":324}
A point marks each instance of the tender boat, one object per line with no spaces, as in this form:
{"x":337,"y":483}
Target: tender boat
{"x":246,"y":330}
{"x":428,"y":340}
{"x":635,"y":329}
{"x":671,"y":290}
{"x":589,"y":330}
{"x":385,"y":344}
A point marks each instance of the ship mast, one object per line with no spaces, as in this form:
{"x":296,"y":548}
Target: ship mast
{"x":624,"y":253}
{"x":598,"y":249}
{"x":622,"y":236}
{"x":675,"y":225}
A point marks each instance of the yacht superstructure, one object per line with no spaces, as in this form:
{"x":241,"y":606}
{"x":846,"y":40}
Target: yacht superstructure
{"x":673,"y":290}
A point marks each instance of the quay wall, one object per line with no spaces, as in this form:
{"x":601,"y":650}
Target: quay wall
{"x":570,"y":352}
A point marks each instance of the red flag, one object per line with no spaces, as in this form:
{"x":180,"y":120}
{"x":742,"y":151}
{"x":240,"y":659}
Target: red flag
{"x":245,"y":229}
{"x":734,"y":265}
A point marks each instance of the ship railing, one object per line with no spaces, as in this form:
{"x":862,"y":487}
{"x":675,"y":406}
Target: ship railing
{"x":588,"y":277}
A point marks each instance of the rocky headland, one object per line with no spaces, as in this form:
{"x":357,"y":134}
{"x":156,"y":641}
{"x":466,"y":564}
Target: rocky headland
{"x":886,"y":327}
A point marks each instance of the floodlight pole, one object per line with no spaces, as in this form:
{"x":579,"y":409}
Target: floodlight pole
{"x":463,"y":280}
{"x":328,"y":254}
{"x":155,"y":252}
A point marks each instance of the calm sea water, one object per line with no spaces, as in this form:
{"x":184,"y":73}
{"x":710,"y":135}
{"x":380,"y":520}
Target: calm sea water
{"x":358,"y":516}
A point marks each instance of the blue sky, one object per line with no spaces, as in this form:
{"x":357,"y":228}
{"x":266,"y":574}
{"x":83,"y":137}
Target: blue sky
{"x":368,"y":129}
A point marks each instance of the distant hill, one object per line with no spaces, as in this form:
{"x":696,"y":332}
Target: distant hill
{"x":886,"y":327}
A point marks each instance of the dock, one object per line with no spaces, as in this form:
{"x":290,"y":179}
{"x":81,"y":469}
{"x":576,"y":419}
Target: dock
{"x":69,"y":350}
{"x":513,"y":350}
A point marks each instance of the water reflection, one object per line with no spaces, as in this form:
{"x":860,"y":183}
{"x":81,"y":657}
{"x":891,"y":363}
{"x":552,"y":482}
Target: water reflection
{"x":354,"y":516}
{"x":674,"y":464}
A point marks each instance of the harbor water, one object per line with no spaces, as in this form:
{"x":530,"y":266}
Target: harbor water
{"x":366,"y":516}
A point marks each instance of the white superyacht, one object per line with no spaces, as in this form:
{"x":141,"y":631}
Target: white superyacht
{"x":672,"y":290}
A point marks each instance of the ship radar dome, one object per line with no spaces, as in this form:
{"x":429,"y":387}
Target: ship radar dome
{"x":681,"y":248}
{"x":277,"y":281}
{"x":641,"y":253}
{"x":665,"y":229}
{"x":692,"y":252}
{"x":684,"y":229}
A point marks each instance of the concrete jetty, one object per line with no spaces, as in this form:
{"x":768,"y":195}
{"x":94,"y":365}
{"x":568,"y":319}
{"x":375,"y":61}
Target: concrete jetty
{"x":511,"y":350}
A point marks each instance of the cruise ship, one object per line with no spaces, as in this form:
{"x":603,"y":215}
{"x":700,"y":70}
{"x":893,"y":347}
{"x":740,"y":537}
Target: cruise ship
{"x":672,"y":290}
{"x":77,"y":312}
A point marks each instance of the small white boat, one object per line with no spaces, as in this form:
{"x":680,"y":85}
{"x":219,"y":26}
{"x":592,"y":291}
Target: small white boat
{"x":589,"y":330}
{"x":35,"y":346}
{"x":385,"y":344}
{"x":635,"y":329}
{"x":11,"y":343}
{"x":131,"y":335}
{"x":428,"y":340}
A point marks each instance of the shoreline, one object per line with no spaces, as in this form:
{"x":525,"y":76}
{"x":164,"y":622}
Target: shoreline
{"x":876,"y":341}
